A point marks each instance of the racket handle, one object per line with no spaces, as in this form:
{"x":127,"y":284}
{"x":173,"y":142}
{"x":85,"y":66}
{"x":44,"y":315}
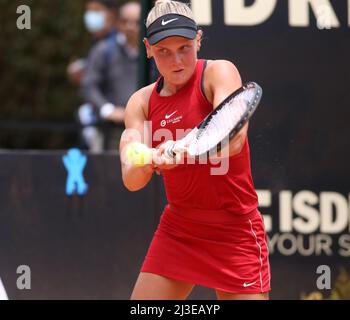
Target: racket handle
{"x":169,"y":152}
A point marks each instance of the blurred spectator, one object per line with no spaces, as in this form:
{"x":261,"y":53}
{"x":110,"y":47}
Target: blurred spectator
{"x":100,"y":17}
{"x":100,"y":20}
{"x":111,"y":72}
{"x":90,"y":137}
{"x":75,"y":71}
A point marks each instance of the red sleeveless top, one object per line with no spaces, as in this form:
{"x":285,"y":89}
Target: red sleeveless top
{"x":226,"y":185}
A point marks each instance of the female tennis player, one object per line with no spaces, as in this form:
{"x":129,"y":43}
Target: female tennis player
{"x":210,"y":233}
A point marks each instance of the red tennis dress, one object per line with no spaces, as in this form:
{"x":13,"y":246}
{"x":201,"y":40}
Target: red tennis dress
{"x":211,"y":232}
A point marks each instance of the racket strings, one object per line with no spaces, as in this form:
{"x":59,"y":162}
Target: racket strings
{"x":221,"y":123}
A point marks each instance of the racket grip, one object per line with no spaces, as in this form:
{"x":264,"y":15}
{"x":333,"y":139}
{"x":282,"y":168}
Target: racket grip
{"x":169,"y":152}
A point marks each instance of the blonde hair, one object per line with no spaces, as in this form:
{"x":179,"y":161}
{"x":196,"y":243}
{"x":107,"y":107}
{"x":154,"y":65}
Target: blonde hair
{"x":162,"y":7}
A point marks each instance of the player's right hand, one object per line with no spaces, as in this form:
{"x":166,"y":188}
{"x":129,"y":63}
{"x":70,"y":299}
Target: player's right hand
{"x":160,"y":161}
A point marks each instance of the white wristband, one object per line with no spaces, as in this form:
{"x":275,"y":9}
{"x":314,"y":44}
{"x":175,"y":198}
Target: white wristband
{"x":106,"y":110}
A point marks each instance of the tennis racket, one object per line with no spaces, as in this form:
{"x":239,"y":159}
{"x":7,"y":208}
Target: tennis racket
{"x":221,"y":125}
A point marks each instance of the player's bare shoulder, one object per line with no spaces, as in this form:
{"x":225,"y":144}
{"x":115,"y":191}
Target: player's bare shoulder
{"x":219,"y":73}
{"x":219,"y":68}
{"x":137,"y":105}
{"x":222,"y":74}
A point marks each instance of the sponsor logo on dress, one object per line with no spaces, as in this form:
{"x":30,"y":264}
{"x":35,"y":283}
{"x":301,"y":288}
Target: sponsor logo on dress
{"x":167,"y":116}
{"x":168,"y":119}
{"x":245,"y":284}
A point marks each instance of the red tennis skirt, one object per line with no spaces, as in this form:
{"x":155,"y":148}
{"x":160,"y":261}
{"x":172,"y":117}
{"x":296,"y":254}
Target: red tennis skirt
{"x":214,"y":249}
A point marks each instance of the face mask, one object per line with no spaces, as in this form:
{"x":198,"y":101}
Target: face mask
{"x":94,"y":20}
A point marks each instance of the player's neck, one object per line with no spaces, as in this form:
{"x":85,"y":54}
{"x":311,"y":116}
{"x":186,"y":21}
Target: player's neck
{"x":170,"y":89}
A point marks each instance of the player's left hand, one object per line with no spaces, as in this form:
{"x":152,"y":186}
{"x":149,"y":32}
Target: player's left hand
{"x":162,"y":161}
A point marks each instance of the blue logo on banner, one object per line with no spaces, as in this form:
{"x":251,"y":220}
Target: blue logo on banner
{"x":75,"y":162}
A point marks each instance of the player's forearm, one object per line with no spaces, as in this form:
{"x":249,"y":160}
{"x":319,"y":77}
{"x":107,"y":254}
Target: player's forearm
{"x":236,"y":146}
{"x":233,"y":148}
{"x":135,"y":178}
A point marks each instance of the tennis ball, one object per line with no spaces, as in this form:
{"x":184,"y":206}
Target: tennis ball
{"x":138,"y":154}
